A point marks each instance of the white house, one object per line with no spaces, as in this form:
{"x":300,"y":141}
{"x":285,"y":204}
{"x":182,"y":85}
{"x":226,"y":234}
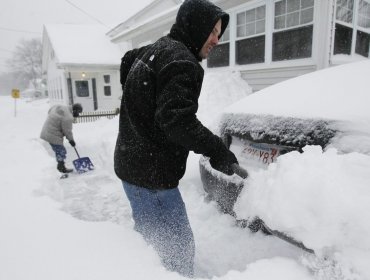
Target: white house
{"x":268,"y":41}
{"x":81,"y":65}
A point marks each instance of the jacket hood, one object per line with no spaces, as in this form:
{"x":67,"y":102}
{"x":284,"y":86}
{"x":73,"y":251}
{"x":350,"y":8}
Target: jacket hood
{"x":195,"y":21}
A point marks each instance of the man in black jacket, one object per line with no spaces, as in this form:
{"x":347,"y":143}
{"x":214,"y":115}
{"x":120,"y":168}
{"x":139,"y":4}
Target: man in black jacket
{"x":158,"y":127}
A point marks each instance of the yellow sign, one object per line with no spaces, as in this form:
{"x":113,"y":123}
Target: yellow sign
{"x":15,"y":93}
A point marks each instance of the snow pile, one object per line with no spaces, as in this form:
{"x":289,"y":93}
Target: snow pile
{"x":81,"y":227}
{"x":320,"y":198}
{"x":219,"y":90}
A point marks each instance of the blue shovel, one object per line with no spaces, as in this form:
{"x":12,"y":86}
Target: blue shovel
{"x":82,"y":164}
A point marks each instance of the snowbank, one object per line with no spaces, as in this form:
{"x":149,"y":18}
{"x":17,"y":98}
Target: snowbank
{"x":81,"y":227}
{"x":219,"y":90}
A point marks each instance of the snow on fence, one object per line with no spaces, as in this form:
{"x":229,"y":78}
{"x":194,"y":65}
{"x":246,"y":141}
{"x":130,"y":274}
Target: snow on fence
{"x":94,"y":116}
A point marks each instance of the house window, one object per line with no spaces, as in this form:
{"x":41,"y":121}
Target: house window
{"x":82,"y":88}
{"x":343,"y":39}
{"x":250,"y":36}
{"x":362,"y":43}
{"x":107,"y":91}
{"x":363,"y":22}
{"x":345,"y":11}
{"x":106,"y":79}
{"x":107,"y":88}
{"x":293,"y":29}
{"x":351,"y":25}
{"x":343,"y":27}
{"x":219,"y":56}
{"x":364,"y":14}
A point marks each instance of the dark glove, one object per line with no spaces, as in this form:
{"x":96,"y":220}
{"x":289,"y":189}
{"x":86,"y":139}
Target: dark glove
{"x":73,"y":143}
{"x":223,"y":161}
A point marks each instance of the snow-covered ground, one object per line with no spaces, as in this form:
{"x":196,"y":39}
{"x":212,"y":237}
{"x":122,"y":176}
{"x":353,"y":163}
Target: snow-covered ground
{"x":81,"y":227}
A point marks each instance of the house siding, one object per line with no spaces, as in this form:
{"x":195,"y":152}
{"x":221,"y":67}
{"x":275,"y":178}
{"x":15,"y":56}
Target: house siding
{"x":272,"y":69}
{"x":261,"y":78}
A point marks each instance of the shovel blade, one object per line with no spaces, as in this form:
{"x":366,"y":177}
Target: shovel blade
{"x":83,"y":164}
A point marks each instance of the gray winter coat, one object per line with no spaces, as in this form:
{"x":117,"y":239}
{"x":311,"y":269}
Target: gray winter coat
{"x":58,"y":124}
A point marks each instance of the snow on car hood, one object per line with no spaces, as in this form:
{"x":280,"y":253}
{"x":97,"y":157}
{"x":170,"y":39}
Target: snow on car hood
{"x":339,"y":93}
{"x":310,"y":109}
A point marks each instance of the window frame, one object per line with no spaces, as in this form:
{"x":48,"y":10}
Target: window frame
{"x":251,"y":36}
{"x":106,"y":81}
{"x":337,"y":58}
{"x":269,"y":29}
{"x":105,"y":89}
{"x":297,"y":27}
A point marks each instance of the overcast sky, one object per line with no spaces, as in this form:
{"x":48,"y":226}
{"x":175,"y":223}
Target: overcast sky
{"x":25,"y":18}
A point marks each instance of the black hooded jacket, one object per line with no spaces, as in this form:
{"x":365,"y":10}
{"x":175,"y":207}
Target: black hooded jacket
{"x":161,"y":84}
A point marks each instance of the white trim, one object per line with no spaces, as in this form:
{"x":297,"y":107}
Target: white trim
{"x":354,"y":32}
{"x":276,"y":64}
{"x":350,"y":25}
{"x":149,"y":24}
{"x":142,"y":44}
{"x":270,"y":12}
{"x":315,"y":32}
{"x":232,"y":37}
{"x":122,"y":26}
{"x":334,"y":20}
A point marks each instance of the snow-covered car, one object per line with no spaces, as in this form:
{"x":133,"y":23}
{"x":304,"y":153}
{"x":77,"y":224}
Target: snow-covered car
{"x":329,"y":108}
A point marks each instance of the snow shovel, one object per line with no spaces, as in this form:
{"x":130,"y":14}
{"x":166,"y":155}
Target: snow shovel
{"x":82,"y":164}
{"x":257,"y":223}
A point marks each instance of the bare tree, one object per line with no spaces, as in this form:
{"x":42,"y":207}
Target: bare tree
{"x":26,"y":62}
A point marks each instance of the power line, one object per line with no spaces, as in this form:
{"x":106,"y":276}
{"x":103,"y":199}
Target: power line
{"x":86,"y":13}
{"x":19,"y":30}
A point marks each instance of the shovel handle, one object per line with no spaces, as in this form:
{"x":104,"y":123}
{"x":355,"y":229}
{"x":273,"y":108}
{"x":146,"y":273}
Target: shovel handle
{"x":76,"y":152}
{"x":240,"y":171}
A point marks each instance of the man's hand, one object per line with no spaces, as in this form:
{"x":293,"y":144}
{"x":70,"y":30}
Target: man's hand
{"x":223,"y":162}
{"x":73,"y":143}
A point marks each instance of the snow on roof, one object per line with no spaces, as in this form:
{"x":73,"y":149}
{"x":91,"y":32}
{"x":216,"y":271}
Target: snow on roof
{"x":166,"y":15}
{"x":142,"y":16}
{"x":82,"y":44}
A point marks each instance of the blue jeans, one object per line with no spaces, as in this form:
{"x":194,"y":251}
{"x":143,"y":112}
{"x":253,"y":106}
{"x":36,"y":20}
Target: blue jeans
{"x":160,"y":216}
{"x":60,"y":152}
